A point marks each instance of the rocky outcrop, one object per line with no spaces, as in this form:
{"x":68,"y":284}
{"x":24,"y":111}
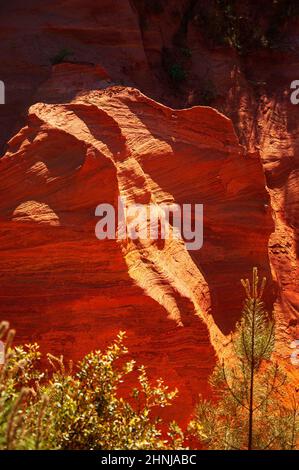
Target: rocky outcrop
{"x":93,"y":141}
{"x":69,"y":291}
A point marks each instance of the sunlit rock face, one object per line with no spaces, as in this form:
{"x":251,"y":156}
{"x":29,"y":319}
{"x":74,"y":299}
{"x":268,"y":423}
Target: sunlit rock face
{"x":71,"y":292}
{"x":268,"y":122}
{"x":93,"y":142}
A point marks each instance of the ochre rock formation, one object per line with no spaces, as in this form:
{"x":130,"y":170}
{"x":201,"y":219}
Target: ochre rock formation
{"x":71,"y":292}
{"x":61,"y":286}
{"x":272,"y":133}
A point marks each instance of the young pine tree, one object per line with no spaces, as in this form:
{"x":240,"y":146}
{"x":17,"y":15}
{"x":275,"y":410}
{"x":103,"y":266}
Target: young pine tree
{"x":249,"y":411}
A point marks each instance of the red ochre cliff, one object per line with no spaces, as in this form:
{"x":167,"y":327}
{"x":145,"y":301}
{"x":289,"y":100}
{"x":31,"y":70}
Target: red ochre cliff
{"x":71,"y":292}
{"x":87,"y":139}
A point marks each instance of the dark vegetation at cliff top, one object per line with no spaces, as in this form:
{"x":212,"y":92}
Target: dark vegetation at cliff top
{"x":245,"y":27}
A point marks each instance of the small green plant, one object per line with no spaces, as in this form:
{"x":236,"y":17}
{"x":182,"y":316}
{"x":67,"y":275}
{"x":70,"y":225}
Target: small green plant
{"x":61,"y":56}
{"x":177,"y":73}
{"x":249,"y":412}
{"x":82,"y":409}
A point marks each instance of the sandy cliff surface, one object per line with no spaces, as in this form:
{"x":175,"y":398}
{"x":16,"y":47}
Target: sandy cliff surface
{"x":73,"y":71}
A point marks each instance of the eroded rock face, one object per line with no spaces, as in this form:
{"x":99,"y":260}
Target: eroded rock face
{"x":62,"y":287}
{"x":69,"y":291}
{"x":269,"y":125}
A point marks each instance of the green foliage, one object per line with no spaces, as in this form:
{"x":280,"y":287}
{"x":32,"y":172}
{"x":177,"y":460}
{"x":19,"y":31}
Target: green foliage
{"x":62,"y":56}
{"x":177,"y":73}
{"x":240,"y":25}
{"x":249,"y":412}
{"x":175,"y":62}
{"x":81,"y":410}
{"x":218,"y":22}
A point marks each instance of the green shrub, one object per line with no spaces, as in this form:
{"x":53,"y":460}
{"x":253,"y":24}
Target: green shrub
{"x":81,"y":409}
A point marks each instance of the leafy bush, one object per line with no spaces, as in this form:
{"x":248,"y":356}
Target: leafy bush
{"x":84,"y":409}
{"x":80,"y":410}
